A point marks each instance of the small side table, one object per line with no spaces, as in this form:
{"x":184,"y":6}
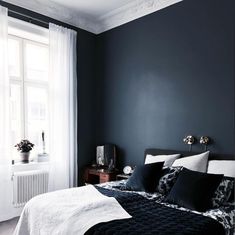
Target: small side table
{"x":94,"y":175}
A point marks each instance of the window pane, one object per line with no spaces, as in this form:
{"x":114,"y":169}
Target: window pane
{"x":14,"y":57}
{"x":37,"y":115}
{"x":36,"y":61}
{"x":15,"y":112}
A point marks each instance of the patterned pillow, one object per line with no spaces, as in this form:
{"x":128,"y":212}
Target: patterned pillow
{"x":223,"y":192}
{"x":167,"y":181}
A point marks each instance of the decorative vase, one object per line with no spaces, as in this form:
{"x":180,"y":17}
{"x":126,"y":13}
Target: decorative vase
{"x":43,"y":157}
{"x":24,"y":157}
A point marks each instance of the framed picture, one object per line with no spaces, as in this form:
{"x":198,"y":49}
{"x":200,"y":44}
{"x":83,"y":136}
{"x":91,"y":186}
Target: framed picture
{"x":106,"y":155}
{"x":100,"y":161}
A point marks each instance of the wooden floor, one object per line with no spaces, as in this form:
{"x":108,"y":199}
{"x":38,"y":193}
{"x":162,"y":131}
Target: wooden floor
{"x":8,"y":227}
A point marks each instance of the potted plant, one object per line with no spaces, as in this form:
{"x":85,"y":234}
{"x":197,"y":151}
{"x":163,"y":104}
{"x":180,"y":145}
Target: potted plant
{"x":24,"y":147}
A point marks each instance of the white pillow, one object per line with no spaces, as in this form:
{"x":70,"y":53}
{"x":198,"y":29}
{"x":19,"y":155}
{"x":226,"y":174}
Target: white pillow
{"x":226,"y":167}
{"x":167,"y":159}
{"x":196,"y":163}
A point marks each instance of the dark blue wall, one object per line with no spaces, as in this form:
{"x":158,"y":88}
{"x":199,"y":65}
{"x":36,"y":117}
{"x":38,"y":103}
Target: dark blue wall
{"x":86,"y":100}
{"x":156,"y":79}
{"x":166,"y":75}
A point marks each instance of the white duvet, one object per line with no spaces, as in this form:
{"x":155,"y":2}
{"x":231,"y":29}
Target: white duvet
{"x":68,"y":212}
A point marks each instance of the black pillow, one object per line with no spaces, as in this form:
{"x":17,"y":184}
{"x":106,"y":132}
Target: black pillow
{"x":194,"y":190}
{"x":232,"y":197}
{"x":145,"y":178}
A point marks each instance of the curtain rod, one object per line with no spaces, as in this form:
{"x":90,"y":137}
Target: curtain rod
{"x":30,"y":18}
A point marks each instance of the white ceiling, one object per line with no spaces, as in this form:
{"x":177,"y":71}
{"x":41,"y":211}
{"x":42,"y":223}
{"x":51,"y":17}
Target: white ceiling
{"x":95,"y":16}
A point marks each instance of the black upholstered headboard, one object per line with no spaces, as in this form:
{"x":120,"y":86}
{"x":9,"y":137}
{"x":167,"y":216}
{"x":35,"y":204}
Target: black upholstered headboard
{"x":212,"y":156}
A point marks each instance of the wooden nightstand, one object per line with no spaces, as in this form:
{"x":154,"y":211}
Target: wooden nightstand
{"x":94,"y":175}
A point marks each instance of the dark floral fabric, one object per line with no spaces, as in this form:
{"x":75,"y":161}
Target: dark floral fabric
{"x":223,"y":192}
{"x":167,"y":181}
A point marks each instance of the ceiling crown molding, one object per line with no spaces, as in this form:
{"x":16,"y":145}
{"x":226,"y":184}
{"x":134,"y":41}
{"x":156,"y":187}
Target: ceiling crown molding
{"x":134,"y":10}
{"x":130,"y":12}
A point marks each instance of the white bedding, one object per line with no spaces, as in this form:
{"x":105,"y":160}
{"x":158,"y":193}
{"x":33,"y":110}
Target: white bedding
{"x":68,"y":212}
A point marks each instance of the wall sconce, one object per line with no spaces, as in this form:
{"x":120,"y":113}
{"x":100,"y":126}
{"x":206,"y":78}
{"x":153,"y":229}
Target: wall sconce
{"x":205,"y":140}
{"x":190,"y":140}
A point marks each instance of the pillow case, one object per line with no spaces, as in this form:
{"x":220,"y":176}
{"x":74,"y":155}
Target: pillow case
{"x":168,"y":179}
{"x":167,"y":159}
{"x":226,"y":167}
{"x":194,"y":190}
{"x":195,"y":163}
{"x":145,"y":178}
{"x":223,"y":192}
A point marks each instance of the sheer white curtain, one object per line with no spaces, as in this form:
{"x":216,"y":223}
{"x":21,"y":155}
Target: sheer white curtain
{"x":63,"y":107}
{"x":6,"y":195}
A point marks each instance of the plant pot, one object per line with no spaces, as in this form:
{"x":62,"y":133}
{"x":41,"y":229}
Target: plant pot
{"x":24,"y":157}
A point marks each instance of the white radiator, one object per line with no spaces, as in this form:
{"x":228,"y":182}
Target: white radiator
{"x":27,"y":184}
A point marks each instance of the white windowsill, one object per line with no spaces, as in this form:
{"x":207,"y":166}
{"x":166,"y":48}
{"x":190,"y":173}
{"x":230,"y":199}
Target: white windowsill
{"x":30,"y":163}
{"x":30,"y":166}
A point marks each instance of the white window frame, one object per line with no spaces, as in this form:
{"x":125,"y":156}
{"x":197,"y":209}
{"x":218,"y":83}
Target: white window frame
{"x":24,"y":82}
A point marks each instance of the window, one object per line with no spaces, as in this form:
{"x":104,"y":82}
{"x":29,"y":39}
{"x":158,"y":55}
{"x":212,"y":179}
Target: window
{"x":28,"y":70}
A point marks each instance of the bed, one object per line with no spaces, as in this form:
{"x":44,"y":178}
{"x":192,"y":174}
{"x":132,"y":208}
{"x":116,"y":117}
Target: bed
{"x":144,"y":213}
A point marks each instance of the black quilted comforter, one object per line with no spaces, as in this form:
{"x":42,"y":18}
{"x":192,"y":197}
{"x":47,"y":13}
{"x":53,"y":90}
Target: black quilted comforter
{"x":149,"y":217}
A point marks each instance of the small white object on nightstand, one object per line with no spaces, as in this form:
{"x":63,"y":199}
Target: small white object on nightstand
{"x":127,"y":170}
